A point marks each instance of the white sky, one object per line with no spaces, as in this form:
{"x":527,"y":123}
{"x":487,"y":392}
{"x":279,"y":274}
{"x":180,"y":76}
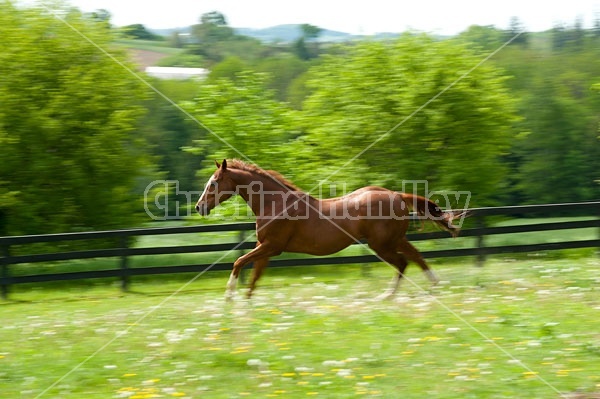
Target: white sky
{"x":358,"y":16}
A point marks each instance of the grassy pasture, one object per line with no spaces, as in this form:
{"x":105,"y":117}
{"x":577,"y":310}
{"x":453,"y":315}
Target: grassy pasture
{"x":148,"y":45}
{"x":515,"y":328}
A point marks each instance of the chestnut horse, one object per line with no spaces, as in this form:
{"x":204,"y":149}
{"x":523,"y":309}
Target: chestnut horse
{"x":289,"y":220}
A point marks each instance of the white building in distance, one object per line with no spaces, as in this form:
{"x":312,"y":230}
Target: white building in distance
{"x":176,"y":72}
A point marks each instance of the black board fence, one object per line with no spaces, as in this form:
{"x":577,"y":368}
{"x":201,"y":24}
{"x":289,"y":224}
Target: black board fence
{"x":124,"y":252}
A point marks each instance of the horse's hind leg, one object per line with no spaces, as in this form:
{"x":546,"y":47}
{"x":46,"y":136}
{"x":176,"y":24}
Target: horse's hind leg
{"x":399,"y":262}
{"x":413,"y":254}
{"x":259,"y":266}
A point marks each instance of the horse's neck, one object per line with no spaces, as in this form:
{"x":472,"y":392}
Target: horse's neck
{"x":261,"y":191}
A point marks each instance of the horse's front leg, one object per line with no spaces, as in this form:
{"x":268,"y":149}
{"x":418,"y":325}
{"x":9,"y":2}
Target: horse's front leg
{"x":262,"y":250}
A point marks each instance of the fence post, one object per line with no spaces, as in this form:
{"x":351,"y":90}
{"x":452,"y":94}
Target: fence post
{"x":598,"y":214}
{"x":4,"y":274}
{"x":480,"y":224}
{"x":123,"y":265}
{"x":365,"y":269}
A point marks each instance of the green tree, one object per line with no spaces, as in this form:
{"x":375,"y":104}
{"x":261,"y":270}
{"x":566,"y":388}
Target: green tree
{"x":283,"y":70}
{"x":214,"y":40}
{"x":297,"y":91}
{"x":101,"y":15}
{"x":301,"y":50}
{"x":229,"y":68}
{"x":209,"y":35}
{"x":411,"y":109}
{"x":70,"y":155}
{"x":245,"y":121}
{"x":559,"y":150}
{"x":214,"y":18}
{"x":175,"y":40}
{"x":555,"y":156}
{"x":487,"y":38}
{"x":167,"y":130}
{"x":183,"y":59}
{"x":568,"y":38}
{"x":306,"y":46}
{"x":139,"y":31}
{"x":310,"y":32}
{"x":516,"y":32}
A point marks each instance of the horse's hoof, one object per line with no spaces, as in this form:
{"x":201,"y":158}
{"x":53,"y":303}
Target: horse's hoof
{"x":386,"y":296}
{"x":433,"y":279}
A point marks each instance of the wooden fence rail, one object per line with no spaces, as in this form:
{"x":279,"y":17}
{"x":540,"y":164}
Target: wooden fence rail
{"x":124,"y":252}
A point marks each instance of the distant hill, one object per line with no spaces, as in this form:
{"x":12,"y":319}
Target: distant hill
{"x":285,"y":33}
{"x":289,"y":33}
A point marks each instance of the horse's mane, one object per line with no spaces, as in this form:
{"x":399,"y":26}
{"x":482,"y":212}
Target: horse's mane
{"x":271,"y":174}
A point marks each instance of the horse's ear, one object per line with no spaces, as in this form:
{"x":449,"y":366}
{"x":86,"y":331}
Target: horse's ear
{"x":218,"y":164}
{"x":224,"y":165}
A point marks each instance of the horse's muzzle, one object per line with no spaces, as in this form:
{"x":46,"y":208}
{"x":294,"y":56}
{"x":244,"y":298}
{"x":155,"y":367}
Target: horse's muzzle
{"x":202,"y":210}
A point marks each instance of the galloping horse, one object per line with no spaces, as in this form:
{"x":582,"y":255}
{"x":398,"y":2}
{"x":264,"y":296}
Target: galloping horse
{"x":289,"y":220}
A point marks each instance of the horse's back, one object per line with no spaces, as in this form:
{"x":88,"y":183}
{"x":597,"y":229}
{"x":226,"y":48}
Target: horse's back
{"x":371,"y":213}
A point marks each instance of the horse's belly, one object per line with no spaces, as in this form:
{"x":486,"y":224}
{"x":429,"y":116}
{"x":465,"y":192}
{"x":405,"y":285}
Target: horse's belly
{"x":320,"y":242}
{"x":317,"y":250}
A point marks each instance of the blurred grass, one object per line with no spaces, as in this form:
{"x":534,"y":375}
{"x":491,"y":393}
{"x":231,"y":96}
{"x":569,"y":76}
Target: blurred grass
{"x":315,"y":334}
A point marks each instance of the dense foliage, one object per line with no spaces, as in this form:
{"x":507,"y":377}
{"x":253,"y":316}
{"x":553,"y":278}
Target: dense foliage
{"x":519,"y":127}
{"x":371,"y":98}
{"x":70,"y":155}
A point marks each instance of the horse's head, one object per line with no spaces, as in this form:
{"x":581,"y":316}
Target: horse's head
{"x":219,"y":188}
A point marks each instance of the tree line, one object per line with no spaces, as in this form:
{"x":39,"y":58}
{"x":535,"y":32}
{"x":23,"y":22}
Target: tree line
{"x":81,"y":137}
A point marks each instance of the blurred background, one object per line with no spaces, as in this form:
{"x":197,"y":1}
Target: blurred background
{"x":82,"y":136}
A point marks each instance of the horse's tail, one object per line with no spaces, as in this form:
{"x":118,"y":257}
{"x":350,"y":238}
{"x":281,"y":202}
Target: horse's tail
{"x":432,"y":211}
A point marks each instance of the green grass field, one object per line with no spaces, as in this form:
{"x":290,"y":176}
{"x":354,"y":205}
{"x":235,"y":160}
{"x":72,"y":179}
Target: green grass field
{"x":148,"y":45}
{"x":527,"y":328}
